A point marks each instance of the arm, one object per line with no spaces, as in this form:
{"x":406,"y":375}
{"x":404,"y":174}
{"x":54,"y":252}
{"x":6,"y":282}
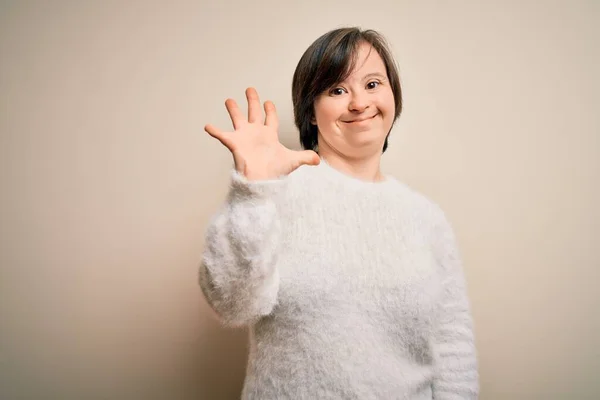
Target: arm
{"x":455,"y":355}
{"x":238,"y":273}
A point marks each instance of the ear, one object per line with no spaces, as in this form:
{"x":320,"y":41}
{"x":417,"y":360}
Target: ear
{"x":313,"y":120}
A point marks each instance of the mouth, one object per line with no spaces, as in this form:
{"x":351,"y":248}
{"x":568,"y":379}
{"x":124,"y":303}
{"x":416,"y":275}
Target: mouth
{"x":360,"y":119}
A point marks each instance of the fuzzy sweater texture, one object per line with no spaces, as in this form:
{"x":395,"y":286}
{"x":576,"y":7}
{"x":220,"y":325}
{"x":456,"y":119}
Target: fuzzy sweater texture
{"x":350,"y":289}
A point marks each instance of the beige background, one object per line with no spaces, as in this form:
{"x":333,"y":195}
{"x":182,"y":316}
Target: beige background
{"x":108,"y":181}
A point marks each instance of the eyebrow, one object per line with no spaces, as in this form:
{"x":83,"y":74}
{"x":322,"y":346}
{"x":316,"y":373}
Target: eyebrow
{"x":367,"y":76}
{"x":373,"y":74}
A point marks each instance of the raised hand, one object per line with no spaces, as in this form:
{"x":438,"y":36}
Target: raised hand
{"x":254,"y":144}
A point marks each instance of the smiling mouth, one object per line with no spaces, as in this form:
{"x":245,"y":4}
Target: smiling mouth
{"x":361,"y":119}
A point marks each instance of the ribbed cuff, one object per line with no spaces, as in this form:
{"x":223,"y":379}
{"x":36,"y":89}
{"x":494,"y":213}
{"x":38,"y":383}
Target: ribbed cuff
{"x":242,"y":188}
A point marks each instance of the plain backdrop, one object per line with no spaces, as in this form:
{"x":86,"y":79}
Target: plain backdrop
{"x":108,"y":181}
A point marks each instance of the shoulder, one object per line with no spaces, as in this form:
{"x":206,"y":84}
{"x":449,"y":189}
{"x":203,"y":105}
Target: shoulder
{"x":426,"y":207}
{"x":437,"y":227}
{"x":427,"y":213}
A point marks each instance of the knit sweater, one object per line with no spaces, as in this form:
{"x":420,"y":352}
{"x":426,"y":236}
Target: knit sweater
{"x":350,"y":289}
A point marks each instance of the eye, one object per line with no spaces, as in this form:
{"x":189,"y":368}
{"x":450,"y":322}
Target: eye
{"x":373,"y":84}
{"x":337,"y":91}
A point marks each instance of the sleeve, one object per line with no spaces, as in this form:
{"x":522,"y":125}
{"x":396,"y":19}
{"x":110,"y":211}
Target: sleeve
{"x":455,"y":355}
{"x":238,"y":274}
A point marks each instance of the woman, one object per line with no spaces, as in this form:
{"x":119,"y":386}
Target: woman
{"x":350,"y":282}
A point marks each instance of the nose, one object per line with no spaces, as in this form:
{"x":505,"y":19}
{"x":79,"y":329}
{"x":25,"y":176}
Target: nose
{"x":359,"y":101}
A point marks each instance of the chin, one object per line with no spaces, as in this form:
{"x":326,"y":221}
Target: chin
{"x":364,"y":147}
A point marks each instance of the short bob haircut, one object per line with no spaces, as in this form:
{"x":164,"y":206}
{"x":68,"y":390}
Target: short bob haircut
{"x":328,"y":61}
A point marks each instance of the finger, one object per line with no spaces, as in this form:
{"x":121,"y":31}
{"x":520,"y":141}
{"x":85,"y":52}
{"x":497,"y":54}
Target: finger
{"x":271,"y":115}
{"x":216,"y":133}
{"x":237,"y":118}
{"x":254,"y":109}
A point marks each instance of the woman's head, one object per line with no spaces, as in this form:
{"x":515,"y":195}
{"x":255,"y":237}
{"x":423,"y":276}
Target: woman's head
{"x":346,"y":93}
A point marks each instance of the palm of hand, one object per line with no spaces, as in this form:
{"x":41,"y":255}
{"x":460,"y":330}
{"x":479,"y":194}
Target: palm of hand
{"x":255,"y":145}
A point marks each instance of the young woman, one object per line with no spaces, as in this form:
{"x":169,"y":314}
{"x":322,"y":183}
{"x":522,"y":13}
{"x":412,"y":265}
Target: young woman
{"x":349,"y":281}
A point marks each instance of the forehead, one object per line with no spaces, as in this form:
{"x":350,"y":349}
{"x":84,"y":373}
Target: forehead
{"x":368,"y":61}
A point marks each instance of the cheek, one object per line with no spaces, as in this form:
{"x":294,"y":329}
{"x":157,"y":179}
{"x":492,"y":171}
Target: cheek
{"x":387,"y":101}
{"x":326,"y":112}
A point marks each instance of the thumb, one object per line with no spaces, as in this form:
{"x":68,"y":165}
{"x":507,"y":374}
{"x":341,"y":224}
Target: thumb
{"x":308,"y":157}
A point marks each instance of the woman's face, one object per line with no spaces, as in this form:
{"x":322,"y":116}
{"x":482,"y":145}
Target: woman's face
{"x":355,"y":116}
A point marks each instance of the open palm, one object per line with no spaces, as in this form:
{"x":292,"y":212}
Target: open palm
{"x":255,"y":145}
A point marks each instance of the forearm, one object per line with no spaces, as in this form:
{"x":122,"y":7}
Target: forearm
{"x":457,"y":374}
{"x":238,"y":273}
{"x":456,"y":360}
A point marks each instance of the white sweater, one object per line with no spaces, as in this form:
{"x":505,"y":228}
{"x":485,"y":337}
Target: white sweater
{"x":351,"y":289}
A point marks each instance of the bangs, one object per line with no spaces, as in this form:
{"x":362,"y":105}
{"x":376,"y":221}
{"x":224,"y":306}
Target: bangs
{"x":334,"y":62}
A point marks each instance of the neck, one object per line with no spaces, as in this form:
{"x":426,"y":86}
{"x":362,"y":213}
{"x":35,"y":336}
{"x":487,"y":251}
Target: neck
{"x":366,"y":168}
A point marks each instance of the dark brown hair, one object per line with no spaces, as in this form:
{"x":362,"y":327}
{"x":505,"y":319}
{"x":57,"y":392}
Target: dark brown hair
{"x":329,"y":60}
